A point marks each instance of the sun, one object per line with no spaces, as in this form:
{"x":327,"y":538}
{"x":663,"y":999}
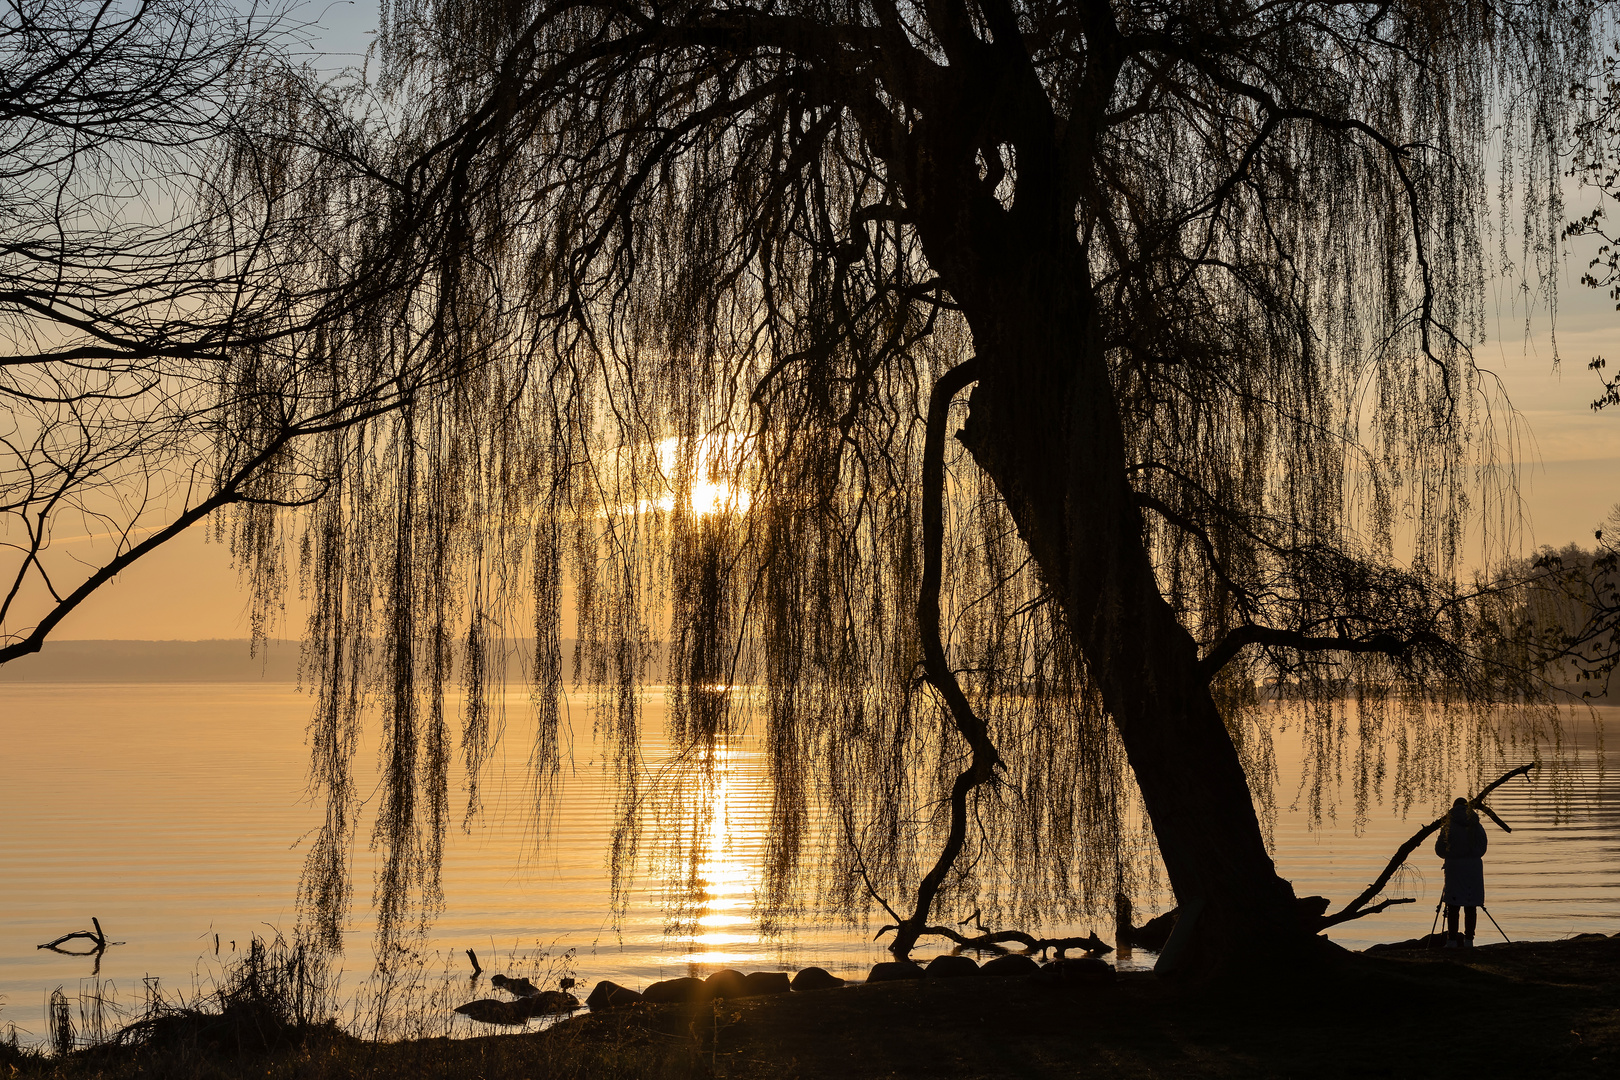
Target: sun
{"x":711,"y":495}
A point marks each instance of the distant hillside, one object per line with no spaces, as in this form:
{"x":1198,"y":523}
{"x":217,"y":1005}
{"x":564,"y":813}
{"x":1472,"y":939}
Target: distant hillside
{"x":220,"y":660}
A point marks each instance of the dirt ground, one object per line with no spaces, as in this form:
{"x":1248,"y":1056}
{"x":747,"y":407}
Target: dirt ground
{"x":1548,"y":1009}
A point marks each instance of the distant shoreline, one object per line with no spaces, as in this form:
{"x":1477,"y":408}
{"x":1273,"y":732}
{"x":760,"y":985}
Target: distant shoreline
{"x":122,"y":661}
{"x":215,"y":660}
{"x":232,"y":660}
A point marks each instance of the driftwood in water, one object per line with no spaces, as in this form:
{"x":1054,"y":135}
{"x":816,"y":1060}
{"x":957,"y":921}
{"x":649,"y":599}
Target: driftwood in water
{"x":97,"y":937}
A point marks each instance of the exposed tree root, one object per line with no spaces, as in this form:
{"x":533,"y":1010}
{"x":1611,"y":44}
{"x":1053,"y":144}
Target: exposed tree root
{"x":993,"y":942}
{"x":1152,"y":934}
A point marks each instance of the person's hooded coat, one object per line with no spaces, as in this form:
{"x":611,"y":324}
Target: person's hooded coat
{"x":1462,"y":844}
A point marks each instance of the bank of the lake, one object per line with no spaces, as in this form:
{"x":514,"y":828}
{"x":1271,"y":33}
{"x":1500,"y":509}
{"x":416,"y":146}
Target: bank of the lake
{"x":1537,"y":1009}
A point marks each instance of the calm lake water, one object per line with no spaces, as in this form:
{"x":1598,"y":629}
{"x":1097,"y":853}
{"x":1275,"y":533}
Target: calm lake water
{"x":175,"y":812}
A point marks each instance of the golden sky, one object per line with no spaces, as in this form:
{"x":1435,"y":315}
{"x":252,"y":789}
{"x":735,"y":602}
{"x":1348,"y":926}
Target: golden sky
{"x":1568,"y":468}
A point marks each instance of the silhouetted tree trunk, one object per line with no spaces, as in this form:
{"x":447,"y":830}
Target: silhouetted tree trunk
{"x":1043,"y":426}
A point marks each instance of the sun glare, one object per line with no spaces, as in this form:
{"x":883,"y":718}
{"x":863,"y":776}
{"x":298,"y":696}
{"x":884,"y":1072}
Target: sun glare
{"x":711,"y":491}
{"x":710,"y":496}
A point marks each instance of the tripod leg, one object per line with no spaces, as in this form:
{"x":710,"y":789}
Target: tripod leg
{"x":1496,"y":924}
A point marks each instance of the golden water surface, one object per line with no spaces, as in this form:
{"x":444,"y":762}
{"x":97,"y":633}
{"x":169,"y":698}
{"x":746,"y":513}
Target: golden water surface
{"x":177,"y":812}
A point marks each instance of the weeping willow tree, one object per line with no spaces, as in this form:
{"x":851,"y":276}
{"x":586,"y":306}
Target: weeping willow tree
{"x":993,"y":402}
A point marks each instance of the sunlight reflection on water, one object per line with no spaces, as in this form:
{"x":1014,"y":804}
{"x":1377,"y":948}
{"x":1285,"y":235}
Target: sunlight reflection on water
{"x":726,"y":875}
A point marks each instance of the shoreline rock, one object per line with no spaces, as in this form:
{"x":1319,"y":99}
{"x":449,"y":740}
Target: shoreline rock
{"x":815,"y":978}
{"x":610,"y":995}
{"x":949,"y":966}
{"x":1010,"y":965}
{"x":511,"y":1013}
{"x":725,"y":983}
{"x":685,"y":988}
{"x":760,"y":983}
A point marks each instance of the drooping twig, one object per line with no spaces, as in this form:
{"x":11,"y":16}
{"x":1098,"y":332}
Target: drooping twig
{"x":1354,"y":909}
{"x":860,"y":868}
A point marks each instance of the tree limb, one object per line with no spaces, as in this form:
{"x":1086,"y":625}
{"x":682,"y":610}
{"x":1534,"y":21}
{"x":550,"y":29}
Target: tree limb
{"x":1090,"y":943}
{"x":936,"y":669}
{"x":1340,"y":917}
{"x":1352,"y":910}
{"x":1383,"y":641}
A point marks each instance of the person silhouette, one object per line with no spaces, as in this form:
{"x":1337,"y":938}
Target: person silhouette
{"x":1462,"y":844}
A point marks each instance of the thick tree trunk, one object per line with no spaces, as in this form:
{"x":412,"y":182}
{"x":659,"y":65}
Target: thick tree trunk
{"x":1045,"y":425}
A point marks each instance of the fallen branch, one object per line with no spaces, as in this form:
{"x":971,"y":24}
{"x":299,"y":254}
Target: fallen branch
{"x":96,"y":936}
{"x":1353,"y":910}
{"x":993,"y":941}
